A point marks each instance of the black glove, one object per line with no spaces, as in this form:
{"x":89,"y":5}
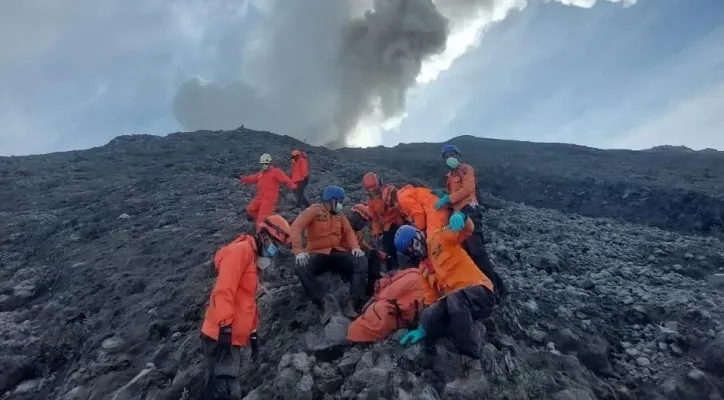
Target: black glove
{"x":224,"y":341}
{"x":254,"y":341}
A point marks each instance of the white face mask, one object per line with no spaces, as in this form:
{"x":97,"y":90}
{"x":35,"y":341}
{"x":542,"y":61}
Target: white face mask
{"x":264,"y":167}
{"x":263,"y":263}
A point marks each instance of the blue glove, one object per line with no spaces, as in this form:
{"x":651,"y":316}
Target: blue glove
{"x":413,"y":336}
{"x":443,"y":200}
{"x":457,"y":221}
{"x":440,"y":192}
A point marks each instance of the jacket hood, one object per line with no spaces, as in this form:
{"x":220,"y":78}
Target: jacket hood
{"x":242,"y":240}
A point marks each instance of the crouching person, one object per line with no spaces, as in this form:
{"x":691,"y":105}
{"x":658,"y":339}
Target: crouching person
{"x":331,"y":247}
{"x":360,"y":218}
{"x":396,"y":304}
{"x":464,"y":293}
{"x":231,"y":317}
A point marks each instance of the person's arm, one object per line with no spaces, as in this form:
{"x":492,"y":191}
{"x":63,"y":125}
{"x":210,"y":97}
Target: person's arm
{"x":467,"y":188}
{"x":250,"y":179}
{"x":283,"y":178}
{"x":449,"y":238}
{"x":301,"y":223}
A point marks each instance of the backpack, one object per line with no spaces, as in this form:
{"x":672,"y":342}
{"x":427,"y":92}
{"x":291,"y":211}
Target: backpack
{"x":397,"y":303}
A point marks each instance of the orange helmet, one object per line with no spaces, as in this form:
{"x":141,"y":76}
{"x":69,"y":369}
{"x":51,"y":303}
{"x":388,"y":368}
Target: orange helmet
{"x":277,"y":227}
{"x":363,"y":211}
{"x":389,"y":195}
{"x":296,"y":153}
{"x":371,"y":181}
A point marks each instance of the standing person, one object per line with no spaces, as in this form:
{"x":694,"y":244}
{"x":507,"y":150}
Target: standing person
{"x":300,"y":177}
{"x":385,"y":217}
{"x":457,"y":293}
{"x":231,"y":318}
{"x":332,"y":246}
{"x":463,"y":201}
{"x":267,"y":182}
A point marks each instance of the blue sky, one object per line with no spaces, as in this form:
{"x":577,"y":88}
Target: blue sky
{"x":607,"y":76}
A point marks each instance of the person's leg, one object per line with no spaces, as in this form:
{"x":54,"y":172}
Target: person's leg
{"x":464,"y":306}
{"x":475,"y":247}
{"x":252,"y":209}
{"x":222,"y":371}
{"x":298,"y":194}
{"x":435,"y":320}
{"x":388,"y":246}
{"x":374,"y":270}
{"x":266,"y":208}
{"x":356,"y":267}
{"x":305,"y":199}
{"x":308,"y":276}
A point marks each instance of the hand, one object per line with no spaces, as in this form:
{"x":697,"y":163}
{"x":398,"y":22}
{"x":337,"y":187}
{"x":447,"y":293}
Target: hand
{"x":302,"y":259}
{"x":293,"y":186}
{"x":440,"y":192}
{"x":223,"y":343}
{"x":358,"y":253}
{"x":413,"y":336}
{"x":442,"y":201}
{"x":457,"y":221}
{"x":255,"y":344}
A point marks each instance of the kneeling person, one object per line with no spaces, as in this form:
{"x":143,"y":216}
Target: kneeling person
{"x":464,"y":293}
{"x":329,"y":235}
{"x":231,"y":318}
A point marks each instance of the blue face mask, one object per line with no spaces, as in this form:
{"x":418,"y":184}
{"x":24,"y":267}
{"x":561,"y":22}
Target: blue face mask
{"x":270,"y":250}
{"x":452,"y":162}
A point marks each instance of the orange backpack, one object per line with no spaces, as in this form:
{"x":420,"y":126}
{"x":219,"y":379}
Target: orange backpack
{"x":397,"y":303}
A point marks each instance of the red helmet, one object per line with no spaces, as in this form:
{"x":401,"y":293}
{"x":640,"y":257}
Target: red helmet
{"x":363,"y":211}
{"x":389,"y":195}
{"x":371,"y":181}
{"x":277,"y":227}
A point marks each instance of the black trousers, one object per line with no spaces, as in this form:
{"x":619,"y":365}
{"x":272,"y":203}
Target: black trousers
{"x":343,"y":263}
{"x":454,"y":316}
{"x":388,"y":246}
{"x":302,"y":200}
{"x":374,"y":270}
{"x":222,"y":371}
{"x":475,"y":247}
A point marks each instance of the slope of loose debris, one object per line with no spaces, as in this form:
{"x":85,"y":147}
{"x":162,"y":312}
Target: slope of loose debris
{"x":106,"y":268}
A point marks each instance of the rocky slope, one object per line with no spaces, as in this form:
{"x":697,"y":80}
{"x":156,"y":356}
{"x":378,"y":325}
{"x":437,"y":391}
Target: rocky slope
{"x":106,"y":268}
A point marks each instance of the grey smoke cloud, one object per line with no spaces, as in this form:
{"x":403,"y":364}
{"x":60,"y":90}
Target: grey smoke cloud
{"x":314,"y":69}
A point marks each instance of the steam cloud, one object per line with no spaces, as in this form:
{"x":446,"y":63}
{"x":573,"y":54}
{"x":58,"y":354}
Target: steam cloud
{"x":317,"y":68}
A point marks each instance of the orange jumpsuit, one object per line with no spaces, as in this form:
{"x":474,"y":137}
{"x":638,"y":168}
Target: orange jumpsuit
{"x":267,"y":183}
{"x":232,"y":299}
{"x":418,"y":204}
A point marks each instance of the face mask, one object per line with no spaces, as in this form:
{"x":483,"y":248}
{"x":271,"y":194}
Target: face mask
{"x":264,"y":167}
{"x":263,"y":263}
{"x":338,"y":208}
{"x":270,"y":250}
{"x":452,"y":162}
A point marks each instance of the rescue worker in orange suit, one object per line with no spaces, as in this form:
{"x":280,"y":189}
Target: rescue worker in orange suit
{"x":300,"y":177}
{"x":231,"y":317}
{"x":457,"y":292}
{"x":331,"y":246}
{"x":385,"y":217}
{"x":359,"y":218}
{"x":417,"y":204}
{"x":267,"y":183}
{"x":462,"y":200}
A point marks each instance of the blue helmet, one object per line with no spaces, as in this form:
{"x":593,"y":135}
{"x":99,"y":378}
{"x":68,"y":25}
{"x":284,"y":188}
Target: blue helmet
{"x":404,"y":236}
{"x":449,"y":148}
{"x":333,"y":193}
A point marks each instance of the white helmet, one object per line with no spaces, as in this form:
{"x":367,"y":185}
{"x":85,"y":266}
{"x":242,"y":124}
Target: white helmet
{"x":265,"y":159}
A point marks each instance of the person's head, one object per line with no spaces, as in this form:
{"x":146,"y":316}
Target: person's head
{"x":359,"y":217}
{"x":271,"y":234}
{"x":372,"y":184}
{"x":332,"y":198}
{"x":264,"y":161}
{"x":389,"y":196}
{"x":411,"y":242}
{"x":451,"y":155}
{"x":296,"y":154}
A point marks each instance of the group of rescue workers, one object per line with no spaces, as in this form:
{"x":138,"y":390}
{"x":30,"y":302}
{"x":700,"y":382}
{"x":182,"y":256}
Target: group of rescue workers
{"x":446,"y":283}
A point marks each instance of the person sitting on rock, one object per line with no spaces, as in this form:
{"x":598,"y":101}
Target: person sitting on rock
{"x":231,"y":318}
{"x":385,"y":218}
{"x":267,"y":183}
{"x":462,"y":200}
{"x":329,"y":235}
{"x":459,"y":292}
{"x":300,"y":177}
{"x":359,"y":218}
